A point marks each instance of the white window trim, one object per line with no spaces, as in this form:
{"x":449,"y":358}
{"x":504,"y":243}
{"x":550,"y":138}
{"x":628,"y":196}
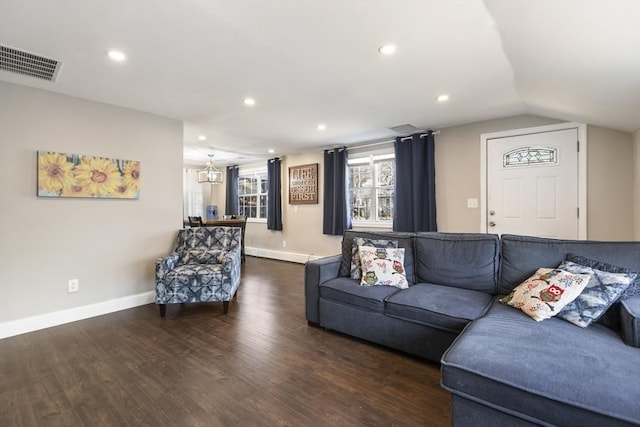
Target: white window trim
{"x":253,"y":171}
{"x":192,"y":191}
{"x":388,"y":225}
{"x":380,"y":154}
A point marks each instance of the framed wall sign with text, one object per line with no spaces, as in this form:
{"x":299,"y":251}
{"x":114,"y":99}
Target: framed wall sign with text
{"x":303,"y":184}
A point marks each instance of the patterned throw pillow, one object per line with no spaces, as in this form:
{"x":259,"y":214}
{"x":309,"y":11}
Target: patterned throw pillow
{"x":545,"y":293}
{"x":602,"y":290}
{"x":383,"y":266}
{"x":201,"y":256}
{"x":356,"y":264}
{"x":634,"y":287}
{"x":611,"y":317}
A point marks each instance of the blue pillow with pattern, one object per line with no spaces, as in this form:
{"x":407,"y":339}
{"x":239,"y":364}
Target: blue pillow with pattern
{"x":201,"y":256}
{"x":602,"y":290}
{"x":611,"y":317}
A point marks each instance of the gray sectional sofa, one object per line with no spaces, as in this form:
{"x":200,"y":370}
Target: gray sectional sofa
{"x":502,"y":367}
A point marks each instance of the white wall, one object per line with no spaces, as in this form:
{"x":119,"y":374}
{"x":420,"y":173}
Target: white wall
{"x":610,"y":184}
{"x":109,"y":245}
{"x":457,"y":151}
{"x":636,"y":197}
{"x":609,"y":179}
{"x":302,"y":224}
{"x":457,"y":161}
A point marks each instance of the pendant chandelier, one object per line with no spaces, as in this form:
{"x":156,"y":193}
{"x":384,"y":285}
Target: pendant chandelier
{"x":210,"y":174}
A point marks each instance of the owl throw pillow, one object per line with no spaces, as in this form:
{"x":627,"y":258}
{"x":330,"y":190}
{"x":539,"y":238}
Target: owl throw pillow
{"x":545,"y":293}
{"x":356,"y":263}
{"x":383,"y":267}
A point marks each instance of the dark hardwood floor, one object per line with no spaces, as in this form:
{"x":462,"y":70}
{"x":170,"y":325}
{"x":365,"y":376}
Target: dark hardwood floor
{"x":259,"y":365}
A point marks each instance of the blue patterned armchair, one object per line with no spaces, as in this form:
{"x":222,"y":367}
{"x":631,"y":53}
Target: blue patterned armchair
{"x":203,"y":267}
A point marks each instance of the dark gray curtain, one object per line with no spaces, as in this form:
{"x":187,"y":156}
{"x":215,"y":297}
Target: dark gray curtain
{"x":336,"y":218}
{"x":415,"y":192}
{"x":274,"y":200}
{"x":231,"y":205}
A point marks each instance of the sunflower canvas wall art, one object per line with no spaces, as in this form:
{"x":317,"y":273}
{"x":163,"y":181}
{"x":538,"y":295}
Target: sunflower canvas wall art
{"x":74,"y":175}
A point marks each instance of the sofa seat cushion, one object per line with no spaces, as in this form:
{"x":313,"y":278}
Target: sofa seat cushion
{"x":438,"y":306}
{"x":551,"y":370}
{"x":349,"y":291}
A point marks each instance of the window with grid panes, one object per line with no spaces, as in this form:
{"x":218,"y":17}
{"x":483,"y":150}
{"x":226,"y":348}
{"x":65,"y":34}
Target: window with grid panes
{"x":371,"y":189}
{"x":252,"y":195}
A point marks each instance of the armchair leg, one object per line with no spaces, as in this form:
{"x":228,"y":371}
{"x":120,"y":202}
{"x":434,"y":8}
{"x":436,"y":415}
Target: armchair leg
{"x":225,"y":307}
{"x":163,"y":309}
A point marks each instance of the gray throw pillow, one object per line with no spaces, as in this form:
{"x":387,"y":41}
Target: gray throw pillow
{"x":602,"y":290}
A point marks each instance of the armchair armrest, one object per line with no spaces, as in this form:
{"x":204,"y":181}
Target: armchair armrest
{"x":231,"y":259}
{"x":164,"y":265}
{"x":317,"y":272}
{"x":630,"y":316}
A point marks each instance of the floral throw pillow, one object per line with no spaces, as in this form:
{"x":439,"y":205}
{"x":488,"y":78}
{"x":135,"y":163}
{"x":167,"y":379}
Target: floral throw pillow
{"x":545,"y":293}
{"x":383,"y":266}
{"x":356,"y":264}
{"x":602,"y":290}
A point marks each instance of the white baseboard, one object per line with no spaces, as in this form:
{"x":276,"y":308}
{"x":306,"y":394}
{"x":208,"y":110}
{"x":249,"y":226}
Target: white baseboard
{"x":42,"y":321}
{"x":280,"y":255}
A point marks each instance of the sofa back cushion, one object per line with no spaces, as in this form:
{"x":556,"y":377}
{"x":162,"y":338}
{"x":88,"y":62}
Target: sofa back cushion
{"x":405,"y":240}
{"x":462,"y":260}
{"x":523,"y":255}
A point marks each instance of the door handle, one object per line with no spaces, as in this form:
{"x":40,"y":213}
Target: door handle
{"x":492,"y":223}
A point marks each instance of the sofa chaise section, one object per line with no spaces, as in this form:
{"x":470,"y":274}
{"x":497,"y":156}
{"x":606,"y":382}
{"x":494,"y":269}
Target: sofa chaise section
{"x":508,"y":370}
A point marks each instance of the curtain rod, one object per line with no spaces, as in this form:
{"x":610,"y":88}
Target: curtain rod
{"x":435,"y":132}
{"x":373,"y":144}
{"x":252,"y":165}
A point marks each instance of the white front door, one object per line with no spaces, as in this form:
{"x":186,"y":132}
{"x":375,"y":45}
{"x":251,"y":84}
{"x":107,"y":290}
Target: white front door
{"x":532,"y":184}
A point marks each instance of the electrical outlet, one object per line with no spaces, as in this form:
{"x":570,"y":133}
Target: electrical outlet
{"x":73,"y":285}
{"x":284,"y":243}
{"x":472,"y":203}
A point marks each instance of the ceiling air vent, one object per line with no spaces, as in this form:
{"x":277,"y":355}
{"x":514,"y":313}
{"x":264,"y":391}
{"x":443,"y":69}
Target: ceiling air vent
{"x":405,"y":129}
{"x":28,"y":64}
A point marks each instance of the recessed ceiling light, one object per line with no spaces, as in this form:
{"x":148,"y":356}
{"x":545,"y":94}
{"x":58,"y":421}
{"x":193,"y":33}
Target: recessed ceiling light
{"x":249,"y":101}
{"x":387,"y":49}
{"x":322,"y":126}
{"x":202,"y":138}
{"x":116,"y":55}
{"x":271,"y":151}
{"x":442,"y":98}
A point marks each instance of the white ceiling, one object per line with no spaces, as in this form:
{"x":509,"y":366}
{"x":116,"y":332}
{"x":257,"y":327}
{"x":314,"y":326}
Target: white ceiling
{"x":307,"y":62}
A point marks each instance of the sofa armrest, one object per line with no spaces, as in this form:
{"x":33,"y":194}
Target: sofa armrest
{"x":164,"y":265}
{"x":317,"y":272}
{"x":630,"y":316}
